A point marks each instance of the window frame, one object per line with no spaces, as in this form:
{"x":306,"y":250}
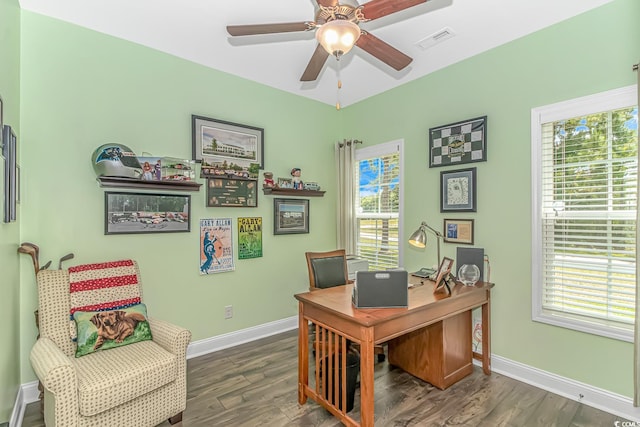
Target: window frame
{"x":582,"y":106}
{"x":378,"y":150}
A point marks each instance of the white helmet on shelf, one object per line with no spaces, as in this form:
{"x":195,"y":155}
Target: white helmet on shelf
{"x":115,"y":159}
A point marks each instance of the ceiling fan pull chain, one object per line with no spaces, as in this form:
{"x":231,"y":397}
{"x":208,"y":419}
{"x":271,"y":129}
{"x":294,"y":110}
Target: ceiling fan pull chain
{"x":339,"y":83}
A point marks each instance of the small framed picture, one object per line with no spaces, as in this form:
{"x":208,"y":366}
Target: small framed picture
{"x":442,"y":274}
{"x":458,"y":231}
{"x":285,"y":183}
{"x":290,"y":216}
{"x":458,"y":190}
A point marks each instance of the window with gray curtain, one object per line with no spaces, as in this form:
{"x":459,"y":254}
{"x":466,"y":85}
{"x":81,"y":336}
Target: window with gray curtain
{"x":378,"y":204}
{"x":585,"y":176}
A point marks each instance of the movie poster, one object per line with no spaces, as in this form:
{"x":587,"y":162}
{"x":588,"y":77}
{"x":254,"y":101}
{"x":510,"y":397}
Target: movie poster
{"x":249,"y":238}
{"x":216,"y":246}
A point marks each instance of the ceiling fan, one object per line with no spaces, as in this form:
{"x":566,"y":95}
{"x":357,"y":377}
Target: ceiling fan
{"x":337,"y":30}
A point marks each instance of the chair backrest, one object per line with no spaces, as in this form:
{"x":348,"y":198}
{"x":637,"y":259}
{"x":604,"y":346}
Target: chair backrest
{"x":327,"y":269}
{"x":96,"y":287}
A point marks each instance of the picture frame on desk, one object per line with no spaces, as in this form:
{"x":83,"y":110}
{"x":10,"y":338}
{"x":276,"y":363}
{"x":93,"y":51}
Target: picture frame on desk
{"x":442,"y":275}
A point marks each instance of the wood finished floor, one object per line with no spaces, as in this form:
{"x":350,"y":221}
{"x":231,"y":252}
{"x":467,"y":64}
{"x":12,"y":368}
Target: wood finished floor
{"x":255,"y":384}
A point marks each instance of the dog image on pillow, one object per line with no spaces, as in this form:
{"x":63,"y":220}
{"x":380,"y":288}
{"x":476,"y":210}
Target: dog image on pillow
{"x":115,"y":325}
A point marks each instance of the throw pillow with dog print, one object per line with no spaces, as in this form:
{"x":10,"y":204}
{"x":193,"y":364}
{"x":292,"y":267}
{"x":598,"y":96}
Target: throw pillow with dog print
{"x":107,"y":329}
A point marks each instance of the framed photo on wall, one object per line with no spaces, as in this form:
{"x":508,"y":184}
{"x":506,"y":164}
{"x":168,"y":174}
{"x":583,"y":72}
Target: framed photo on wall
{"x":290,"y":216}
{"x":225,"y":142}
{"x":143,"y":213}
{"x":458,"y":190}
{"x":458,"y":231}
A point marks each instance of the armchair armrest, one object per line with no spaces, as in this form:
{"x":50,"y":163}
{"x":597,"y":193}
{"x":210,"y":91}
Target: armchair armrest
{"x":172,"y":338}
{"x":53,"y":367}
{"x":58,"y":376}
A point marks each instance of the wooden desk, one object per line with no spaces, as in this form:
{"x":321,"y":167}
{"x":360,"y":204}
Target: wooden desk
{"x":335,"y":318}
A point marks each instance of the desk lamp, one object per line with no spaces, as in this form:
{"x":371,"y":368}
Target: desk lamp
{"x":419,"y":237}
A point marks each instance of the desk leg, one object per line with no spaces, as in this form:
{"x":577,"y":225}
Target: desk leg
{"x":366,"y":378}
{"x":486,"y":337}
{"x":303,"y":355}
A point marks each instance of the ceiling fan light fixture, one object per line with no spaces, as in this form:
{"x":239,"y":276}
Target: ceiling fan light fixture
{"x":338,"y":36}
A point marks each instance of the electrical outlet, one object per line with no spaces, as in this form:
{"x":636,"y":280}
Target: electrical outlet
{"x":228,"y":311}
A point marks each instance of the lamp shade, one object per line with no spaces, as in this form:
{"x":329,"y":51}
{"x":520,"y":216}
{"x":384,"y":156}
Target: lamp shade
{"x":338,"y":36}
{"x":418,"y":238}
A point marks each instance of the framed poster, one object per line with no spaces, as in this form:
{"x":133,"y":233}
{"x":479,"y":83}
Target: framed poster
{"x":249,"y":238}
{"x":458,"y":190}
{"x":458,"y":231}
{"x":458,"y":143}
{"x":216,"y":246}
{"x":290,"y":216}
{"x":221,"y":141}
{"x":143,"y":213}
{"x":232,"y":193}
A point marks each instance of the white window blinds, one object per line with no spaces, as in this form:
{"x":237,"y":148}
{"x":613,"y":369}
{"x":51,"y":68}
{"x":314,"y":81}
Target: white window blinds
{"x":378,"y":178}
{"x":588,"y":183}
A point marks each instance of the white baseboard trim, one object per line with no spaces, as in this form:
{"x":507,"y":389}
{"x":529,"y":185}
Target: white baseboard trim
{"x":27,"y":393}
{"x":220,"y":342}
{"x":598,"y":398}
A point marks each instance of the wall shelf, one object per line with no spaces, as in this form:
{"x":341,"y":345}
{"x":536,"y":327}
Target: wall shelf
{"x":120,"y":182}
{"x":292,"y":192}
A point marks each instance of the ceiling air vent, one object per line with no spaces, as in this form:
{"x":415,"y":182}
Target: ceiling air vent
{"x":435,"y":38}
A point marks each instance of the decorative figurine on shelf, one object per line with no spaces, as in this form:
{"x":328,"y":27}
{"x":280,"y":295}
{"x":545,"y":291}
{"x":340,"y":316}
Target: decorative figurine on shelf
{"x":297,"y":183}
{"x":268,"y":180}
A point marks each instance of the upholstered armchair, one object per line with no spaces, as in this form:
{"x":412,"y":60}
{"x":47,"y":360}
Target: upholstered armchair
{"x":132,"y":384}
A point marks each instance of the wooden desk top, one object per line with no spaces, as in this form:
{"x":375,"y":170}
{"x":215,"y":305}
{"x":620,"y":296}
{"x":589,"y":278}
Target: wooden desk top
{"x":337,"y":300}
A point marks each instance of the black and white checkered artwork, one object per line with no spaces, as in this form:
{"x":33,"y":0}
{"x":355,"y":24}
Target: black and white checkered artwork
{"x":458,"y":143}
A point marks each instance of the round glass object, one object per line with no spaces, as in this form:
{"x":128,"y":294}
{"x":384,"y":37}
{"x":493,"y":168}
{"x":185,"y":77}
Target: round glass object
{"x":469,"y":274}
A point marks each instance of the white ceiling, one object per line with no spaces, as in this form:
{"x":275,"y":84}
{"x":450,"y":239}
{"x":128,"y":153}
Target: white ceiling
{"x":195,"y":30}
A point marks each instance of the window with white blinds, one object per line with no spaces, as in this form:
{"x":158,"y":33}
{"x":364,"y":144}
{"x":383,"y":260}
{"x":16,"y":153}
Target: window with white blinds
{"x":378,"y":200}
{"x":585,"y":199}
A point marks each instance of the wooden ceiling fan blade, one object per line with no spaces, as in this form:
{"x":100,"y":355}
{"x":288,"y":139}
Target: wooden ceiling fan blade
{"x":315,"y":64}
{"x":255,"y":29}
{"x":328,"y":3}
{"x":383,"y":51}
{"x":378,"y":8}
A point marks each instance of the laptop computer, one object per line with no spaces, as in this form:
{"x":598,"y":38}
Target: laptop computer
{"x":381,"y":289}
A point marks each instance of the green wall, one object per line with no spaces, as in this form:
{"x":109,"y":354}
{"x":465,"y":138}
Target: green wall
{"x":590,"y":53}
{"x":80,"y":89}
{"x":9,"y":233}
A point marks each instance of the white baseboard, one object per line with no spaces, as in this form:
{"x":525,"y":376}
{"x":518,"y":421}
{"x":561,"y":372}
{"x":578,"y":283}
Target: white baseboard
{"x":604,"y":400}
{"x":27,"y":393}
{"x":220,"y":342}
{"x":598,"y":398}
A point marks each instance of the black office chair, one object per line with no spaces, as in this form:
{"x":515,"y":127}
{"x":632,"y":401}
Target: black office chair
{"x":329,"y":269}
